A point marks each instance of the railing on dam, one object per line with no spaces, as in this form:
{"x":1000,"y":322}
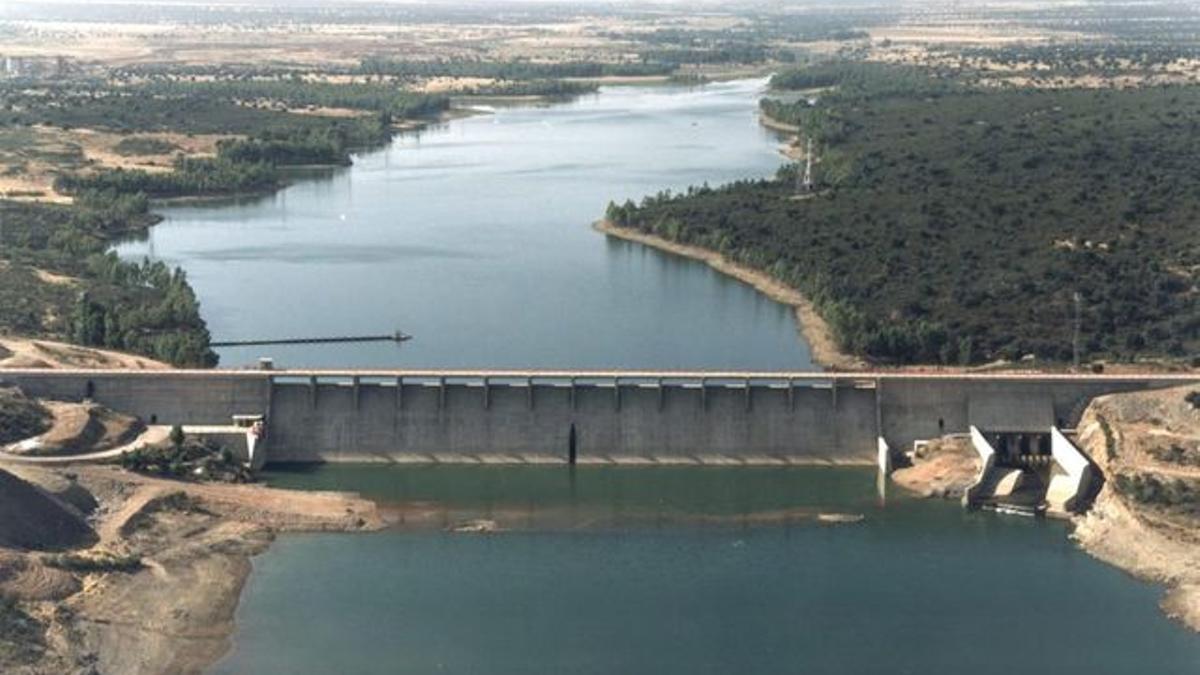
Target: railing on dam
{"x":622,"y":374}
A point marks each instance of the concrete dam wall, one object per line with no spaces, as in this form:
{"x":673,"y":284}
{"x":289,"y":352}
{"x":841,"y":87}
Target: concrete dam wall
{"x":627,"y":416}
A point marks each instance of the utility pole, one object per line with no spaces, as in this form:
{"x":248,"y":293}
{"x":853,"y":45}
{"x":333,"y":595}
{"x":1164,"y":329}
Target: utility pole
{"x":808,"y":162}
{"x":1078,"y":324}
{"x":804,"y":178}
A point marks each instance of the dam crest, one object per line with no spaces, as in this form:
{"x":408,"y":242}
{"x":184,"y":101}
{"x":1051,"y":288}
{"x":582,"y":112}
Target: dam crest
{"x":532,"y":416}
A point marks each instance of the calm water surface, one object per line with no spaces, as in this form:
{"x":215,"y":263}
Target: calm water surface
{"x":474,"y":236}
{"x":689,"y":570}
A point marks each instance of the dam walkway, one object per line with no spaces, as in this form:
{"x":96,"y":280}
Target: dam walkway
{"x":634,"y":416}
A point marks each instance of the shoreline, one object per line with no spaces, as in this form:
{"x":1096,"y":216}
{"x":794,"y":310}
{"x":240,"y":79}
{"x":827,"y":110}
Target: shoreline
{"x":791,"y":148}
{"x":194,"y":543}
{"x":1148,"y":542}
{"x":809,"y":323}
{"x":772,"y":123}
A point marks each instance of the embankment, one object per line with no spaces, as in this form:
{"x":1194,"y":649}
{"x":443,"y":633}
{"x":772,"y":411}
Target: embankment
{"x":816,"y":331}
{"x":1146,"y":519}
{"x":160,"y":577}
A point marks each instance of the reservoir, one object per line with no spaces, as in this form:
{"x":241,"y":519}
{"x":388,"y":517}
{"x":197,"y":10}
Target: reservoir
{"x":474,"y":237}
{"x":676,"y":570}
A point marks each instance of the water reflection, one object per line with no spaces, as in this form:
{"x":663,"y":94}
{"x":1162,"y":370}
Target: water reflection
{"x":474,"y":237}
{"x":597,"y":497}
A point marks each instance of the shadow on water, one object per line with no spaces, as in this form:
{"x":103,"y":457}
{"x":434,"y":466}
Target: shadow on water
{"x":724,"y":570}
{"x":597,"y":497}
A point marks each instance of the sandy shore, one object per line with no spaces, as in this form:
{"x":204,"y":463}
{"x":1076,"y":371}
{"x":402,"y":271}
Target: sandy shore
{"x":816,"y":332}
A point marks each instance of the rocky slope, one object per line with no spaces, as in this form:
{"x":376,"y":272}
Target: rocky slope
{"x":1147,"y":517}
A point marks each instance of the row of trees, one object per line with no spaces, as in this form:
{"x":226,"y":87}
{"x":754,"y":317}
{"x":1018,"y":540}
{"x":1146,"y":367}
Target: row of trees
{"x":296,"y":92}
{"x":509,"y":70}
{"x":192,"y":176}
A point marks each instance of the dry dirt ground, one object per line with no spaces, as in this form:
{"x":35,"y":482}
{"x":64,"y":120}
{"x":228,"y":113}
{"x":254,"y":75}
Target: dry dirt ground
{"x":32,"y":157}
{"x":27,"y":353}
{"x":944,"y":467}
{"x":79,"y":428}
{"x":172,"y":611}
{"x":585,"y":37}
{"x":1130,"y":435}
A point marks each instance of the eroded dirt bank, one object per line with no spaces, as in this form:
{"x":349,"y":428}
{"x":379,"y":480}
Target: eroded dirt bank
{"x":1146,"y":519}
{"x":147,"y":573}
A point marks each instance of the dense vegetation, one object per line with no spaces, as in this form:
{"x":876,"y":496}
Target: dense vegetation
{"x":267,"y":137}
{"x":139,"y":146}
{"x":192,"y":176}
{"x":387,"y":99}
{"x":122,"y":109}
{"x":548,"y":88}
{"x":1175,"y":495}
{"x":955,"y":226}
{"x":1176,"y":454}
{"x":144,"y":308}
{"x":856,"y":81}
{"x":509,"y":70}
{"x":96,"y":562}
{"x":187,"y":458}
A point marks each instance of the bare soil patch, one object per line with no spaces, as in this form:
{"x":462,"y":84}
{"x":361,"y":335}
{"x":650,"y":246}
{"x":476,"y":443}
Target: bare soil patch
{"x":945,"y":467}
{"x":32,"y":519}
{"x":29,"y":353}
{"x":79,"y":428}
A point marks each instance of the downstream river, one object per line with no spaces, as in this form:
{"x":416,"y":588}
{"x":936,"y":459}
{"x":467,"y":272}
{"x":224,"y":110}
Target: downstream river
{"x":473,"y":236}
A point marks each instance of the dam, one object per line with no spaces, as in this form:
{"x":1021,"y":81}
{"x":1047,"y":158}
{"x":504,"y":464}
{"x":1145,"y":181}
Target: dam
{"x":718,"y":417}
